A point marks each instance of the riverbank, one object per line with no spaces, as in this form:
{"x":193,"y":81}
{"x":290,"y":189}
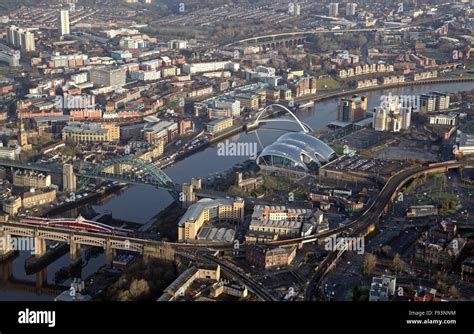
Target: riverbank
{"x":84,"y":200}
{"x":165,"y":223}
{"x":232,"y":132}
{"x":316,"y":97}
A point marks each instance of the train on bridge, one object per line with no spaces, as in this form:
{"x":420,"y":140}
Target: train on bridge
{"x":79,"y":224}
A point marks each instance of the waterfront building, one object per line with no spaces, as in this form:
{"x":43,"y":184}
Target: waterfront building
{"x":302,"y":85}
{"x":188,"y":191}
{"x":160,"y":130}
{"x":391,"y":117}
{"x":36,"y":198}
{"x":249,"y":100}
{"x":209,"y":211}
{"x":295,"y":152}
{"x":25,"y":178}
{"x":218,"y":125}
{"x":434,"y":101}
{"x":352,"y":109}
{"x":11,"y":205}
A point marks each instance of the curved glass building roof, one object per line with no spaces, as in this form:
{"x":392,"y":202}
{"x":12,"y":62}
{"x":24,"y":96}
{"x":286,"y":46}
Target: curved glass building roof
{"x":296,"y":150}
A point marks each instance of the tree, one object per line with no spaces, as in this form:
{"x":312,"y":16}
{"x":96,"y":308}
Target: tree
{"x":356,"y":293}
{"x":398,"y":263}
{"x":442,"y":280}
{"x":139,"y":289}
{"x":144,"y":280}
{"x":370,"y":261}
{"x":454,"y":292}
{"x":386,"y":250}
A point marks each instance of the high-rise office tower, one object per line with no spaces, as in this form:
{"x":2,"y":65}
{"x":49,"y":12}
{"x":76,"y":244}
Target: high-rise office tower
{"x":63,"y":22}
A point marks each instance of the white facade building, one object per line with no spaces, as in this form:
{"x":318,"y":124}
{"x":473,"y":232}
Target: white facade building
{"x":210,"y":67}
{"x":63,"y":22}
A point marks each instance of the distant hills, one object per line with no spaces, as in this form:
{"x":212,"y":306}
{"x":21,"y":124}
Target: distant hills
{"x":7,"y":5}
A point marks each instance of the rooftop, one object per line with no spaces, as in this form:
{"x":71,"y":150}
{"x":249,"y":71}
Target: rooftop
{"x":195,"y":210}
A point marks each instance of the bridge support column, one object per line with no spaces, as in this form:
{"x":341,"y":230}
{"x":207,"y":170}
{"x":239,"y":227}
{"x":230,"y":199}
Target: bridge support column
{"x":42,"y":278}
{"x":74,"y":248}
{"x":7,"y":270}
{"x":111,"y":253}
{"x":5,"y":245}
{"x":40,"y":246}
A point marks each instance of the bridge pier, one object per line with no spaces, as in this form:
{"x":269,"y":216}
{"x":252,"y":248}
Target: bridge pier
{"x":111,"y":253}
{"x":7,"y":270}
{"x":5,"y":245}
{"x":42,"y":277}
{"x":74,"y":248}
{"x":40,"y":246}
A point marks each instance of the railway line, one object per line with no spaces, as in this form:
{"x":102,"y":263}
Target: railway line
{"x":254,"y":287}
{"x":360,"y":227}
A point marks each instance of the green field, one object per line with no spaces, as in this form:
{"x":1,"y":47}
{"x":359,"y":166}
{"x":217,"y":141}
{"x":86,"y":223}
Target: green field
{"x":339,"y":149}
{"x":330,"y":82}
{"x":443,"y":195}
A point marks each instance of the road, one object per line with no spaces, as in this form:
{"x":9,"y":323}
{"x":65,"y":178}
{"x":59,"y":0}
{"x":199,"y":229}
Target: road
{"x":359,"y":227}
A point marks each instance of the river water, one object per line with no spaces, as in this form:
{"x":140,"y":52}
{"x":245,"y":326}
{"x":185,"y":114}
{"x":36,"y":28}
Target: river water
{"x":141,"y":203}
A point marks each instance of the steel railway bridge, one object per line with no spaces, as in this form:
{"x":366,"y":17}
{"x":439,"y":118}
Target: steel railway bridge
{"x":127,"y":169}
